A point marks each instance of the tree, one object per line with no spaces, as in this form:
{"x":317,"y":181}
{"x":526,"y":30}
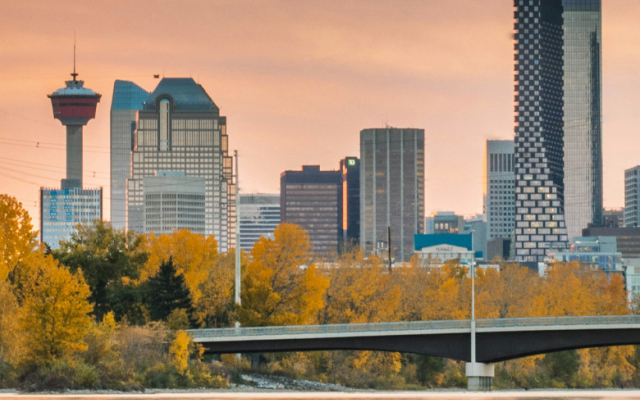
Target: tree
{"x":17,"y":238}
{"x":110,"y":259}
{"x":215,"y":304}
{"x":179,"y":351}
{"x":54,"y":315}
{"x":280,"y":285}
{"x":167,"y":291}
{"x":9,"y":331}
{"x":360,"y":291}
{"x":194,"y":256}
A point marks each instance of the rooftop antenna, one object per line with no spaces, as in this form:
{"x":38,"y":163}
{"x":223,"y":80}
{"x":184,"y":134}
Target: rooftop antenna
{"x":74,"y":57}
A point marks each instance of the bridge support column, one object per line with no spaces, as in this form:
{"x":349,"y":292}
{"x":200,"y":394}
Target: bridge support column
{"x":479,"y":376}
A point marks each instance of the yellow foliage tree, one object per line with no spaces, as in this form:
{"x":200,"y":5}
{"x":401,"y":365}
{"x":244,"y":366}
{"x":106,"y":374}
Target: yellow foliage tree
{"x":9,"y":330}
{"x":54,"y":315}
{"x":214,"y":304}
{"x":179,"y":352}
{"x":280,"y":285}
{"x":360,"y":291}
{"x":193,"y":254}
{"x":17,"y":238}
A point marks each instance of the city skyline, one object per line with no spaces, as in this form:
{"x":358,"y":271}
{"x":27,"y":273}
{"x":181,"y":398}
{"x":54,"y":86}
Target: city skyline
{"x":423,"y":91}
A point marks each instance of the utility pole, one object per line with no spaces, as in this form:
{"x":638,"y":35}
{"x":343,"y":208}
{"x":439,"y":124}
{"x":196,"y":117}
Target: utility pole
{"x":389,"y":237}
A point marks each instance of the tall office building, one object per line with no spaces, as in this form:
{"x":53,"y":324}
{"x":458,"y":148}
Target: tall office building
{"x":259,"y":217}
{"x":632,"y":197}
{"x":499,"y":189}
{"x":172,"y":202}
{"x":582,"y":114}
{"x":180,"y":129}
{"x":312,"y":199}
{"x":61,"y":210}
{"x":350,"y":168}
{"x":540,"y":226}
{"x":128,"y":98}
{"x":391,"y":189}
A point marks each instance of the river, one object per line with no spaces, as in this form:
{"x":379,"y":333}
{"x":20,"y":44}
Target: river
{"x":360,"y":395}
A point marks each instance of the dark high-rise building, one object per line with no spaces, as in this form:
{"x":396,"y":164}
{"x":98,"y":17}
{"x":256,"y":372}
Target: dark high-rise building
{"x":540,"y":226}
{"x":582,"y":114}
{"x":313,"y":199}
{"x":391,"y":189}
{"x":350,"y":168}
{"x":128,"y":98}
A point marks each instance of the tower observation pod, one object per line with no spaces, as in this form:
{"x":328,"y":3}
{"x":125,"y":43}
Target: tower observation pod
{"x":74,"y":105}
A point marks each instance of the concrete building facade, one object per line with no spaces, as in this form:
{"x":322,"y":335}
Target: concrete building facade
{"x":539,"y":167}
{"x":391,"y":189}
{"x":259,"y":217}
{"x":312,"y":199}
{"x":499,"y":189}
{"x":173,"y":201}
{"x":632,"y":197}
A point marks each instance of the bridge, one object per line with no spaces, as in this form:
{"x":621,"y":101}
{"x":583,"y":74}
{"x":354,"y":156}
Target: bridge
{"x":496,"y":339}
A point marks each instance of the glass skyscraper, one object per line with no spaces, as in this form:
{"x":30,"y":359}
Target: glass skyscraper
{"x":540,"y":225}
{"x":128,"y":98}
{"x":582,"y":114}
{"x":391,"y":189}
{"x":63,"y":209}
{"x":180,"y":129}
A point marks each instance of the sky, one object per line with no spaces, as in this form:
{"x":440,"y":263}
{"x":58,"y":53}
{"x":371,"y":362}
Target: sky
{"x":297,"y":81}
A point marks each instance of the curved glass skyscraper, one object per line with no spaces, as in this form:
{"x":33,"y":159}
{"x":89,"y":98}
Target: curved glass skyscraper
{"x":582,"y":114}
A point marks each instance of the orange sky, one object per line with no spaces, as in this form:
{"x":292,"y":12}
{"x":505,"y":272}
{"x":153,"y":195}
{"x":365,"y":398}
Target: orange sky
{"x":297,"y":81}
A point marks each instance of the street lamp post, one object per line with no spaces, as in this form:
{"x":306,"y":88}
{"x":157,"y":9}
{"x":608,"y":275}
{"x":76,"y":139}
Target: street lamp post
{"x":238,"y":301}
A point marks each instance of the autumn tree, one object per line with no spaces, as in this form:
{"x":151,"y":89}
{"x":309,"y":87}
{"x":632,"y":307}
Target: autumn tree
{"x":215,"y":304}
{"x":361,"y":290}
{"x":167,"y":291}
{"x":111,"y":260}
{"x":54,"y":315}
{"x":9,"y":330}
{"x":281,"y":286}
{"x":194,"y":255}
{"x":17,"y":238}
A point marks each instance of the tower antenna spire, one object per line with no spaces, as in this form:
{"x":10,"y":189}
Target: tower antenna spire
{"x":74,"y":57}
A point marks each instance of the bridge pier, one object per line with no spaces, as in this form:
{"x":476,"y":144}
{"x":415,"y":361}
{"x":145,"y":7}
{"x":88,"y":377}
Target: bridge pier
{"x":479,"y":376}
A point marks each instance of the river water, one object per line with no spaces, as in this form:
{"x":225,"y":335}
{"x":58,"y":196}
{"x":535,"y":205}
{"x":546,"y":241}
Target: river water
{"x":361,"y":395}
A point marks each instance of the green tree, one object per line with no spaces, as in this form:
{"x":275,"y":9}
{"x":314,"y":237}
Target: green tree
{"x":110,"y":260}
{"x":167,"y":291}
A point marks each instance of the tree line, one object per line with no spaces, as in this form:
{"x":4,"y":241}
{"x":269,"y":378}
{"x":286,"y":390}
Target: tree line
{"x":109,"y":309}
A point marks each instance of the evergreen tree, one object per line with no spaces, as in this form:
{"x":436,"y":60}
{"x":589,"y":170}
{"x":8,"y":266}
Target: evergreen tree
{"x":167,"y":291}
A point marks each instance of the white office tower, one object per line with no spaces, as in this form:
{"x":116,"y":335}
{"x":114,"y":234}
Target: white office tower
{"x":259,"y":217}
{"x":180,"y":129}
{"x":173,"y":201}
{"x":631,"y":193}
{"x":499,"y":189}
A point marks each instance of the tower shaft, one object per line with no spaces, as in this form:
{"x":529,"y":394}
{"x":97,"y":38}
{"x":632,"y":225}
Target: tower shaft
{"x":74,"y":157}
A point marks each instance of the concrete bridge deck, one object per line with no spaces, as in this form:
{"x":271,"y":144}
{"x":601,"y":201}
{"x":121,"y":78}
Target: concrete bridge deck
{"x":497,"y":339}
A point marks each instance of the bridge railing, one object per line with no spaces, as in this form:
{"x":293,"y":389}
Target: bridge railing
{"x":334,"y":328}
{"x":558,"y":321}
{"x":413,"y":326}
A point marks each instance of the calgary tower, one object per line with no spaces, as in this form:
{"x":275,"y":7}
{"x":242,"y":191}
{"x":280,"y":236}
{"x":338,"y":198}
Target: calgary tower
{"x":61,"y":210}
{"x":74,"y":105}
